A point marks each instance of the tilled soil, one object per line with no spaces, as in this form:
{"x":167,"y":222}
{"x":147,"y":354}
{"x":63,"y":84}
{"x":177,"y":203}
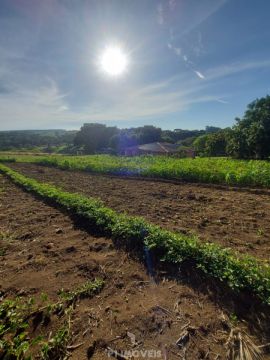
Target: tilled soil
{"x":43,"y":251}
{"x":236,"y":219}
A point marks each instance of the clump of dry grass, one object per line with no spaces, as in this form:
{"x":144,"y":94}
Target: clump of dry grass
{"x":241,"y":347}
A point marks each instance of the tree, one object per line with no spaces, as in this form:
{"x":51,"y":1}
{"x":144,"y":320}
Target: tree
{"x":216,"y":143}
{"x":237,"y":143}
{"x":148,"y":134}
{"x":251,"y":134}
{"x":212,"y":129}
{"x":213,"y":144}
{"x":188,"y":141}
{"x":94,"y":136}
{"x":166,"y":136}
{"x":122,"y":140}
{"x":180,"y":134}
{"x":200,"y":145}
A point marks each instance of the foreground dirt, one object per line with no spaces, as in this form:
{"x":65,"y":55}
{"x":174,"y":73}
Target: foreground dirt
{"x":44,"y":251}
{"x":237,"y":219}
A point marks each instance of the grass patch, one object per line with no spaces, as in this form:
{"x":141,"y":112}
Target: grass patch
{"x":240,"y":273}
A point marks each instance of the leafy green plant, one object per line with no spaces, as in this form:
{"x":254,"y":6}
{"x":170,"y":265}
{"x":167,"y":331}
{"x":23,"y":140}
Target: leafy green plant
{"x":260,"y":232}
{"x":86,"y":290}
{"x":14,"y":336}
{"x":56,"y":347}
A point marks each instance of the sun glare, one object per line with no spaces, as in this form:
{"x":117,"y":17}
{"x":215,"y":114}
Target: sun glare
{"x":114,"y":61}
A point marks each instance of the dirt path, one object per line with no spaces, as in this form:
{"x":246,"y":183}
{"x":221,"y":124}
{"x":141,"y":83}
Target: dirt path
{"x":43,"y":251}
{"x":236,"y":219}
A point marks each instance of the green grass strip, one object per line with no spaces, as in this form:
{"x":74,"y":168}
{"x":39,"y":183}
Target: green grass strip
{"x":238,"y":272}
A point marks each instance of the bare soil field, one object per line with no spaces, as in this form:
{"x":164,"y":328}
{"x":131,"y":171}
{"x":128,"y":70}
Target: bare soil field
{"x":44,"y":250}
{"x":236,"y":219}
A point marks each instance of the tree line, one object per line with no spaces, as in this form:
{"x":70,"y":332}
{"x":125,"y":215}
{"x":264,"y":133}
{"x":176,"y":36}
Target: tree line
{"x":45,"y":140}
{"x":94,"y":137}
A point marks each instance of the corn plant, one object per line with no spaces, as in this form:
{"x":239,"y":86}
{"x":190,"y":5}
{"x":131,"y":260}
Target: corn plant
{"x":205,"y":170}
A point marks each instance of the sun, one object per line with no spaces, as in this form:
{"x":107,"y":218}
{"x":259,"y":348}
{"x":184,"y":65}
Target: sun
{"x":114,"y":61}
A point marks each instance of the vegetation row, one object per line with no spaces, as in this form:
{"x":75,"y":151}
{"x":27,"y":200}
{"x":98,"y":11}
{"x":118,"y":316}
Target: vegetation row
{"x":254,"y":173}
{"x":134,"y":233}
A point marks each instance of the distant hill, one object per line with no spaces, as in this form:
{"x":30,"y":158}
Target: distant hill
{"x":28,"y":139}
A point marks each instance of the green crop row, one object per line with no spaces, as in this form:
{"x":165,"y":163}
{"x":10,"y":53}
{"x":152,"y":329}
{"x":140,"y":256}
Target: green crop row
{"x":238,"y":272}
{"x":206,"y":170}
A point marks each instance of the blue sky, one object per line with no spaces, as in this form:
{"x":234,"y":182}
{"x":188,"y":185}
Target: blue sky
{"x":192,"y":63}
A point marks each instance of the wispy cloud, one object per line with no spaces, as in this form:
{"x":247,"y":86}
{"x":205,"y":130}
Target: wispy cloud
{"x":199,"y":74}
{"x":160,"y":14}
{"x":234,"y":68}
{"x":166,"y":97}
{"x":177,"y":50}
{"x":189,"y":64}
{"x":202,"y":12}
{"x":26,"y":107}
{"x":172,"y":4}
{"x":45,"y":105}
{"x":222,"y":101}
